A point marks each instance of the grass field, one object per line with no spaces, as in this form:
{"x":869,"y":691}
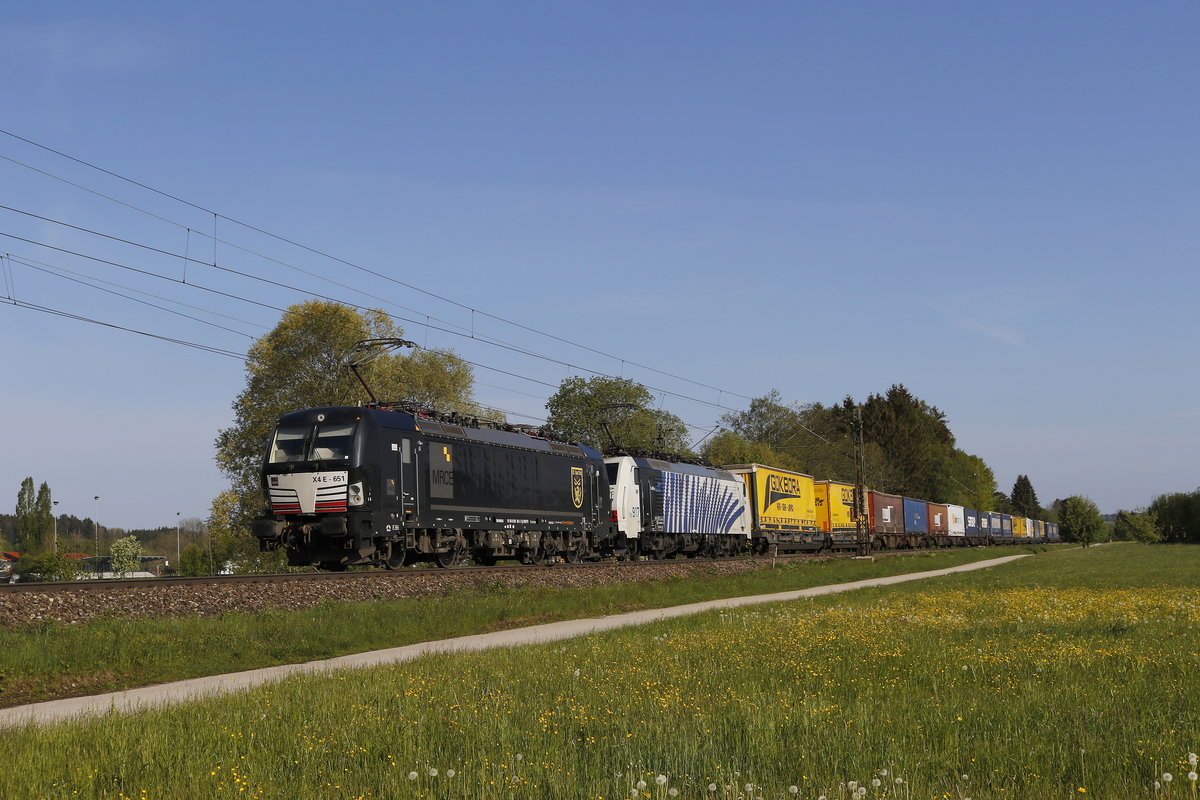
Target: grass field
{"x":48,"y":659}
{"x":1071,"y":674}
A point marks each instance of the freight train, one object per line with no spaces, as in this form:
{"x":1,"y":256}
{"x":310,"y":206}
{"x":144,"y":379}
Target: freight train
{"x":386,"y":486}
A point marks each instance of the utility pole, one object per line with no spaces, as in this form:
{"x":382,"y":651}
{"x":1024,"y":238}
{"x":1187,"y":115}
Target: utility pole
{"x":862,"y":527}
{"x":177,"y":541}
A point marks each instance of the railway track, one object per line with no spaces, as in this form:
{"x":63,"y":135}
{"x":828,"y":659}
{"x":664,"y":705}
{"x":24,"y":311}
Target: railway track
{"x":424,"y":573}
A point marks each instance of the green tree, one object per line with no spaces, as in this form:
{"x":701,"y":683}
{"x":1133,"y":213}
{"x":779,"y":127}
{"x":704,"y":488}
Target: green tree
{"x":913,"y":436}
{"x":125,"y":555}
{"x":35,"y":517}
{"x":728,"y":448}
{"x":1178,"y":516}
{"x":1024,"y":498}
{"x":48,"y":566}
{"x":1140,"y":527}
{"x":26,"y":516}
{"x":301,"y":363}
{"x":1080,"y":521}
{"x":581,"y":410}
{"x":193,"y":561}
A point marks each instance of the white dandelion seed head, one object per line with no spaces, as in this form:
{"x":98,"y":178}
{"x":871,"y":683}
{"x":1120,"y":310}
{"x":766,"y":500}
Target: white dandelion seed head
{"x":450,"y":773}
{"x":672,"y":792}
{"x":433,"y":772}
{"x":576,"y":673}
{"x":1193,"y":758}
{"x":822,"y":797}
{"x":1167,"y":777}
{"x":899,"y":781}
{"x":712,"y":787}
{"x":641,"y":784}
{"x":876,"y":782}
{"x":518,"y":757}
{"x":661,"y":780}
{"x":965,"y":668}
{"x":883,"y":773}
{"x":749,"y":787}
{"x":966,"y":777}
{"x":1192,"y":776}
{"x":852,"y":785}
{"x":412,"y":776}
{"x":794,"y":789}
{"x":1157,"y":785}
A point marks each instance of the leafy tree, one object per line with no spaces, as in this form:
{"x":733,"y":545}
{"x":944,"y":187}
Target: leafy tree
{"x":1137,"y":527}
{"x":301,"y":363}
{"x":1024,"y":498}
{"x":193,"y":561}
{"x":728,"y":447}
{"x":1178,"y":516}
{"x":1080,"y":521}
{"x":125,"y":555}
{"x":49,"y":566}
{"x":963,"y":479}
{"x":34,"y":517}
{"x":581,"y":410}
{"x":913,"y":436}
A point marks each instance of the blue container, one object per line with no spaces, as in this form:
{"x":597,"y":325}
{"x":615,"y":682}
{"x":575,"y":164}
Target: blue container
{"x":1005,"y":525}
{"x":971,"y":521}
{"x":916,"y":517}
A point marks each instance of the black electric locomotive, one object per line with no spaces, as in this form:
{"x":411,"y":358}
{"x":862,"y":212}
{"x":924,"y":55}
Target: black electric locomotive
{"x":373,"y":485}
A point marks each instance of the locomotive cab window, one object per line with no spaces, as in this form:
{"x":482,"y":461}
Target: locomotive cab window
{"x":288,"y":445}
{"x":324,"y":442}
{"x":333,"y":440}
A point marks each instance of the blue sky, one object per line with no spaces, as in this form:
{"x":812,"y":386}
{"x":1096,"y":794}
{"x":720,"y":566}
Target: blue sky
{"x":992,"y":204}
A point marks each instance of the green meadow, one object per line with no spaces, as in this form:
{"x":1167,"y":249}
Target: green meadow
{"x":47,"y":659}
{"x":1068,"y":674}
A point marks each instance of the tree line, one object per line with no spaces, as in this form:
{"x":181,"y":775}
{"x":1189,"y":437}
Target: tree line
{"x":909,"y":447}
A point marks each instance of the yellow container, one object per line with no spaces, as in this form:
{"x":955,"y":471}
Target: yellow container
{"x":782,"y":500}
{"x":1020,"y":527}
{"x":835,"y":505}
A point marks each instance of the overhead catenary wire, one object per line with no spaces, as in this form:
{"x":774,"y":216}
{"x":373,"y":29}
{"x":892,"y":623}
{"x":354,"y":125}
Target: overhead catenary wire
{"x":286,"y":287}
{"x":216,"y":215}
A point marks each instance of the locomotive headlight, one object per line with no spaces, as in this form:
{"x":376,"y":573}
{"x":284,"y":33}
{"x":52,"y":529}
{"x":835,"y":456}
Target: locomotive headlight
{"x":356,"y":494}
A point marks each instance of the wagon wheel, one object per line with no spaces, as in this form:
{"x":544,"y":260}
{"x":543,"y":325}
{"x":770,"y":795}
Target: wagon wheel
{"x":397,"y":558}
{"x":485,"y":560}
{"x":532,"y":555}
{"x":451,"y":558}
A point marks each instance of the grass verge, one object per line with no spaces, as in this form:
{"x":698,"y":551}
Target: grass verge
{"x":1069,"y":675}
{"x":48,"y":660}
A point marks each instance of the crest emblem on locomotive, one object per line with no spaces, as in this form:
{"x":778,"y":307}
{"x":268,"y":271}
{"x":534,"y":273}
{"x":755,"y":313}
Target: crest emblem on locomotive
{"x":577,"y":486}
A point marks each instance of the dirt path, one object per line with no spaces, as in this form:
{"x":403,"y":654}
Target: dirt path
{"x":182,"y":691}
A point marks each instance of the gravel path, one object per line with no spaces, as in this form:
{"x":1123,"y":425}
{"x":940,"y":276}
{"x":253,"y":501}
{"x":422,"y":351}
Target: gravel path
{"x":182,"y":691}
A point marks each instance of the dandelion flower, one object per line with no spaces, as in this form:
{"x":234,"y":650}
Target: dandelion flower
{"x":883,"y":773}
{"x":641,"y":784}
{"x":749,"y":787}
{"x":433,"y":772}
{"x":1192,"y":776}
{"x":1167,"y":777}
{"x":673,"y":792}
{"x":899,"y":781}
{"x":450,"y":773}
{"x":1193,"y":759}
{"x":518,"y":757}
{"x":852,"y":785}
{"x":876,"y":782}
{"x":794,"y":789}
{"x":712,"y":787}
{"x":412,"y":776}
{"x":661,"y":780}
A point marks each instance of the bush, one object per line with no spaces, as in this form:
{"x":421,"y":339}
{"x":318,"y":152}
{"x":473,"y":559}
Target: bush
{"x":48,"y":567}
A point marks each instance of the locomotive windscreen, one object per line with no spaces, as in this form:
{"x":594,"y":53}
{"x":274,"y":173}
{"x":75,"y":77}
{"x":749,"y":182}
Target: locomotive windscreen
{"x":321,"y":442}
